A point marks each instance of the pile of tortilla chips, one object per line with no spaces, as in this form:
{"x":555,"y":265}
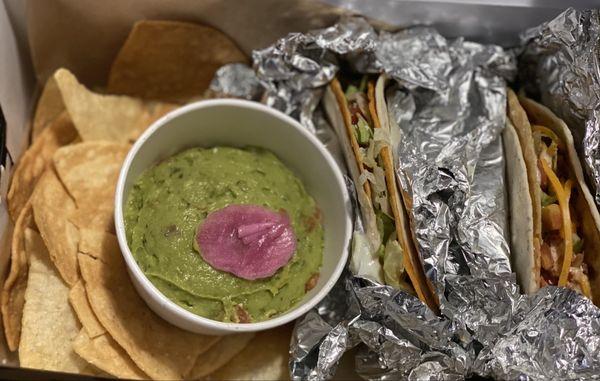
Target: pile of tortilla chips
{"x":68,"y":303}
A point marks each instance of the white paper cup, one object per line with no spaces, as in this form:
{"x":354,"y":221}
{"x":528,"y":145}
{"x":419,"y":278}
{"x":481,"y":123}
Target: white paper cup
{"x":228,"y":122}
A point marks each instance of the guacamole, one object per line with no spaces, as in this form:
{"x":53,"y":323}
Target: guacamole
{"x":170,"y":201}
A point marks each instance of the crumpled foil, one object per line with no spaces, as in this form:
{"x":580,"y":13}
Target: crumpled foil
{"x":560,"y":65}
{"x":236,"y":80}
{"x":295,"y":68}
{"x":448,"y":100}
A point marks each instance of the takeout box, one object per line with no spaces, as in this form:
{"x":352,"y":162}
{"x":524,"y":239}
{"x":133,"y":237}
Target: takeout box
{"x":37,"y":37}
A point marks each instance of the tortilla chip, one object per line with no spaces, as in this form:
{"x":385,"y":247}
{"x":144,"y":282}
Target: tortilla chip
{"x":33,"y":162}
{"x":265,"y":358}
{"x":105,"y":354}
{"x":13,"y":291}
{"x":170,"y":60}
{"x":83,"y":310}
{"x":106,"y":117}
{"x":90,"y":171}
{"x":219,"y":354}
{"x":49,"y":107}
{"x":102,"y":219}
{"x":161,"y":350}
{"x":49,"y":324}
{"x":51,"y":207}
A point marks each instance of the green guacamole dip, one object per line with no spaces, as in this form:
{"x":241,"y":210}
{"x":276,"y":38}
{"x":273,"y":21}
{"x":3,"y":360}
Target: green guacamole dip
{"x":168,"y":203}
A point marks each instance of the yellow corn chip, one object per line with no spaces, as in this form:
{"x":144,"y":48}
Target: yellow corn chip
{"x":51,"y":207}
{"x":49,"y":107}
{"x":161,"y":350}
{"x":170,"y":61}
{"x":219,"y":354}
{"x":13,"y":291}
{"x":49,"y":324}
{"x":265,"y":358}
{"x":33,"y":162}
{"x":106,"y":117}
{"x":89,"y":172}
{"x":105,"y":354}
{"x":83,"y":310}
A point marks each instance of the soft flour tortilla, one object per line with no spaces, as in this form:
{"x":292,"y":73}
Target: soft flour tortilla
{"x":33,"y":162}
{"x":49,"y":324}
{"x":586,"y":208}
{"x":13,"y":291}
{"x":106,"y":117}
{"x":159,"y":349}
{"x":520,"y":122}
{"x":412,"y":262}
{"x":105,"y":354}
{"x":520,"y":211}
{"x":49,"y":107}
{"x":170,"y":61}
{"x":264,"y":359}
{"x":51,"y":207}
{"x":219,"y":354}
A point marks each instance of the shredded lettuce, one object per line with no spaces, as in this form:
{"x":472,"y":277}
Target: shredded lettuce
{"x":547,"y":199}
{"x":385,"y":225}
{"x":363,"y":261}
{"x":393,"y":263}
{"x":363,"y":132}
{"x":350,"y":90}
{"x":577,"y":243}
{"x":393,"y":266}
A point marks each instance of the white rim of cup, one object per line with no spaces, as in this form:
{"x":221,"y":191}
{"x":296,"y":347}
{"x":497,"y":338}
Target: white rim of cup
{"x":298,"y":310}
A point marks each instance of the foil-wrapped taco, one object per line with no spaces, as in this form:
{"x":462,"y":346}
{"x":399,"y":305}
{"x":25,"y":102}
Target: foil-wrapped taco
{"x":358,"y":114}
{"x":555,"y":223}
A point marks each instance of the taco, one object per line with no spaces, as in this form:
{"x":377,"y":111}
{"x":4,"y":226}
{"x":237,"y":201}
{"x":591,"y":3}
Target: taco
{"x":555,"y":226}
{"x":386,"y":252}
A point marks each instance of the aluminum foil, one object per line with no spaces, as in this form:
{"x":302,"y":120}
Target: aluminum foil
{"x":295,"y":68}
{"x":448,"y":103}
{"x":560,"y":66}
{"x":236,"y":80}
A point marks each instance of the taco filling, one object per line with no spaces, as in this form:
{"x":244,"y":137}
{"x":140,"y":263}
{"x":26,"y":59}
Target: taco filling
{"x":369,"y":145}
{"x":561,"y":249}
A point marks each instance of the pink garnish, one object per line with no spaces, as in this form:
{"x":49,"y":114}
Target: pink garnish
{"x":249,"y":241}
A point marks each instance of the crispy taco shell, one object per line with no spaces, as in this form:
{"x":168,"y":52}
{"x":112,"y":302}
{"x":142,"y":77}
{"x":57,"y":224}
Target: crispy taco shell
{"x":336,"y":117}
{"x":339,"y":114}
{"x":398,"y":201}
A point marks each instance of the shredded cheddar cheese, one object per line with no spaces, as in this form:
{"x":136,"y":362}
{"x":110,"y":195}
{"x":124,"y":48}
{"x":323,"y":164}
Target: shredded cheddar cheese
{"x":568,"y":233}
{"x":545,"y":131}
{"x":562,"y":195}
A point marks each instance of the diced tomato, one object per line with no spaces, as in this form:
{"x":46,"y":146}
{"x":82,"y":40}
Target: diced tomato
{"x":551,"y":217}
{"x":549,"y":258}
{"x":579,"y":281}
{"x":577,"y":260}
{"x":546,"y":257}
